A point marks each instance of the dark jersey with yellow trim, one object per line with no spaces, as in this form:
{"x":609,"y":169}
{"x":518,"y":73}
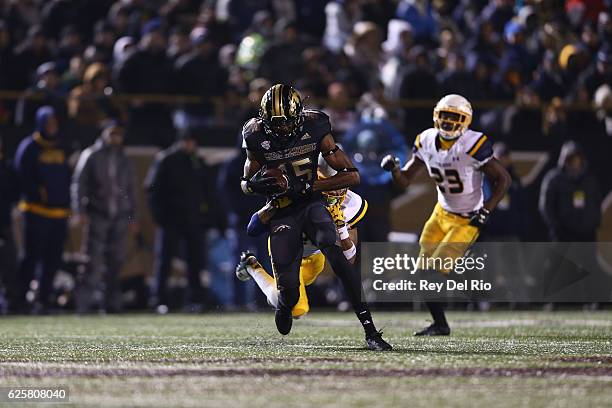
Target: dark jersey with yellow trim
{"x":456,"y":170}
{"x":299,"y":157}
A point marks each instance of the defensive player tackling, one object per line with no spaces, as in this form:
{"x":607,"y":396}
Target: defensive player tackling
{"x":457,"y":158}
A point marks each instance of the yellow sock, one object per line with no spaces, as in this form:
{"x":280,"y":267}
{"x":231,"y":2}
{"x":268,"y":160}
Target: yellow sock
{"x":301,"y":307}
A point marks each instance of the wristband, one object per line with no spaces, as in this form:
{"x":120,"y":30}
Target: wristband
{"x":349,"y":253}
{"x":343,"y":232}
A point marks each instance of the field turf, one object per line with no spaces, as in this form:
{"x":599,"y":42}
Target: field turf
{"x":554,"y":359}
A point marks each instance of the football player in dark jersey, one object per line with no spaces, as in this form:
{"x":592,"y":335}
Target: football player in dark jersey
{"x":290,"y":138}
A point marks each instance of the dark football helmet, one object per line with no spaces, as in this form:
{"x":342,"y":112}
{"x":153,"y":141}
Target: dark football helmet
{"x":281,"y":112}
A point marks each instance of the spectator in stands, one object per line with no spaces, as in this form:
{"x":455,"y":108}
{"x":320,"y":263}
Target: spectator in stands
{"x":510,"y":220}
{"x":147,"y":71}
{"x":421,"y":17}
{"x":367,"y":142}
{"x":179,"y":43}
{"x":525,"y":116}
{"x":340,"y":18}
{"x":199,"y":74}
{"x":282,"y":61}
{"x":397,"y":48}
{"x":340,"y":108}
{"x":416,"y":80}
{"x":9,"y":193}
{"x":46,"y":91}
{"x":44,"y":183}
{"x":70,"y":44}
{"x":455,"y":79}
{"x":176,"y":186}
{"x":364,"y":49}
{"x":103,"y":41}
{"x":498,"y":12}
{"x":599,"y":73}
{"x":89,"y":104}
{"x":29,"y":55}
{"x":570,"y":198}
{"x":104,"y":200}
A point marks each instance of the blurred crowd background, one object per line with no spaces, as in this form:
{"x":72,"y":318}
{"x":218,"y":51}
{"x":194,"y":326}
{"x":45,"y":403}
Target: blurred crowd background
{"x":91,"y":90}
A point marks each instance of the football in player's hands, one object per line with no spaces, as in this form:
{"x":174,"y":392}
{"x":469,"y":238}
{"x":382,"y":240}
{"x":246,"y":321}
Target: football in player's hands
{"x":481,"y":217}
{"x":389,"y":162}
{"x":268,"y":182}
{"x":279,"y":176}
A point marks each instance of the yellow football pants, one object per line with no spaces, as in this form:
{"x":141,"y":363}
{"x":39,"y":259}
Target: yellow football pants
{"x":445,"y":236}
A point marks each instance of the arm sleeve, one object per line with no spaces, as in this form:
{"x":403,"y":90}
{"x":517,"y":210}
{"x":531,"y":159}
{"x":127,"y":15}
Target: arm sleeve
{"x":256,"y":227}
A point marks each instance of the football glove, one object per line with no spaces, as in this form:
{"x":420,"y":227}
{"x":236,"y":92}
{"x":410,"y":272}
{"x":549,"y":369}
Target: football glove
{"x":264,"y":185}
{"x":389,"y":162}
{"x":481,"y":217}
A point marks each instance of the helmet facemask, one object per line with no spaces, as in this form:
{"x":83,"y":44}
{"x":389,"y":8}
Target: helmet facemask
{"x":451,"y":123}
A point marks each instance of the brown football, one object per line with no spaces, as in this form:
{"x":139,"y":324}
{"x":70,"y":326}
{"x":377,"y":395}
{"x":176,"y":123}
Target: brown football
{"x":279,"y":175}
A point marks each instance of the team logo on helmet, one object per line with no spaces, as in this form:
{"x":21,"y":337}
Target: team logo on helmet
{"x":266,"y":144}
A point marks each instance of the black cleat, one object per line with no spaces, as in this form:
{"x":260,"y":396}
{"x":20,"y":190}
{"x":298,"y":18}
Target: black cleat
{"x":434,"y":330}
{"x":283,"y":320}
{"x":375,"y":342}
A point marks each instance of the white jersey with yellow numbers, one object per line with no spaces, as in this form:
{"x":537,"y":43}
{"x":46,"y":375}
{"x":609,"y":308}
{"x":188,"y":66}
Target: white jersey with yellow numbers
{"x":456,"y":170}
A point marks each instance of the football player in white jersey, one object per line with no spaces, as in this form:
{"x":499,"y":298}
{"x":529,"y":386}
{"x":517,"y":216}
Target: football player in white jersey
{"x":457,"y":158}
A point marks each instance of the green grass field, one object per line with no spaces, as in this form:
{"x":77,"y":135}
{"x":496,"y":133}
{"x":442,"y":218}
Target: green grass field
{"x":561,"y":359}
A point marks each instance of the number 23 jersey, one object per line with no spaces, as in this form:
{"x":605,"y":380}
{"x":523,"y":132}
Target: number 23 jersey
{"x":456,"y":170}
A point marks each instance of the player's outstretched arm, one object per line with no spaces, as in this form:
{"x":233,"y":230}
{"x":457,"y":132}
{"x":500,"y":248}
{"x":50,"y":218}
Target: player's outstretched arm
{"x":501,"y":179}
{"x":347,"y":175}
{"x":402,"y":177}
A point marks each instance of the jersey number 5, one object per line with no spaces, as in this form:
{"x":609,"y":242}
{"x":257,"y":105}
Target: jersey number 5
{"x":453,"y":181}
{"x":300,"y":168}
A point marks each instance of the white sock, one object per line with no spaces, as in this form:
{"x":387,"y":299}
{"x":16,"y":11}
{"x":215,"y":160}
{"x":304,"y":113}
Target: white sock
{"x":266,"y":283}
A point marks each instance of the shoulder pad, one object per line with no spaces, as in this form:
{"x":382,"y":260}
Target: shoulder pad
{"x":481,"y":149}
{"x":318,"y":120}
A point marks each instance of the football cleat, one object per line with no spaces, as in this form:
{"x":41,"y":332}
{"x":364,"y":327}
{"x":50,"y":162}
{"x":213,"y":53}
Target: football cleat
{"x":434,"y":330}
{"x":375,"y":342}
{"x":246,"y":259}
{"x":284,"y":321}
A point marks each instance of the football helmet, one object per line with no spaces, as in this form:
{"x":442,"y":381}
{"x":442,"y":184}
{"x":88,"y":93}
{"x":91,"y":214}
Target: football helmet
{"x":281,"y":112}
{"x":452,"y":116}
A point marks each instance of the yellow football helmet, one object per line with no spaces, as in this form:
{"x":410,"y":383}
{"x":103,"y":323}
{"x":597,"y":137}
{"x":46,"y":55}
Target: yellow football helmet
{"x":452,"y":116}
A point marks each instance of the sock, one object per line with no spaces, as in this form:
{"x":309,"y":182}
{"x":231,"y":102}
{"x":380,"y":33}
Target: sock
{"x":437,"y":312}
{"x":352,"y":286}
{"x":266,"y":283}
{"x":301,"y":307}
{"x":365,"y":318}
